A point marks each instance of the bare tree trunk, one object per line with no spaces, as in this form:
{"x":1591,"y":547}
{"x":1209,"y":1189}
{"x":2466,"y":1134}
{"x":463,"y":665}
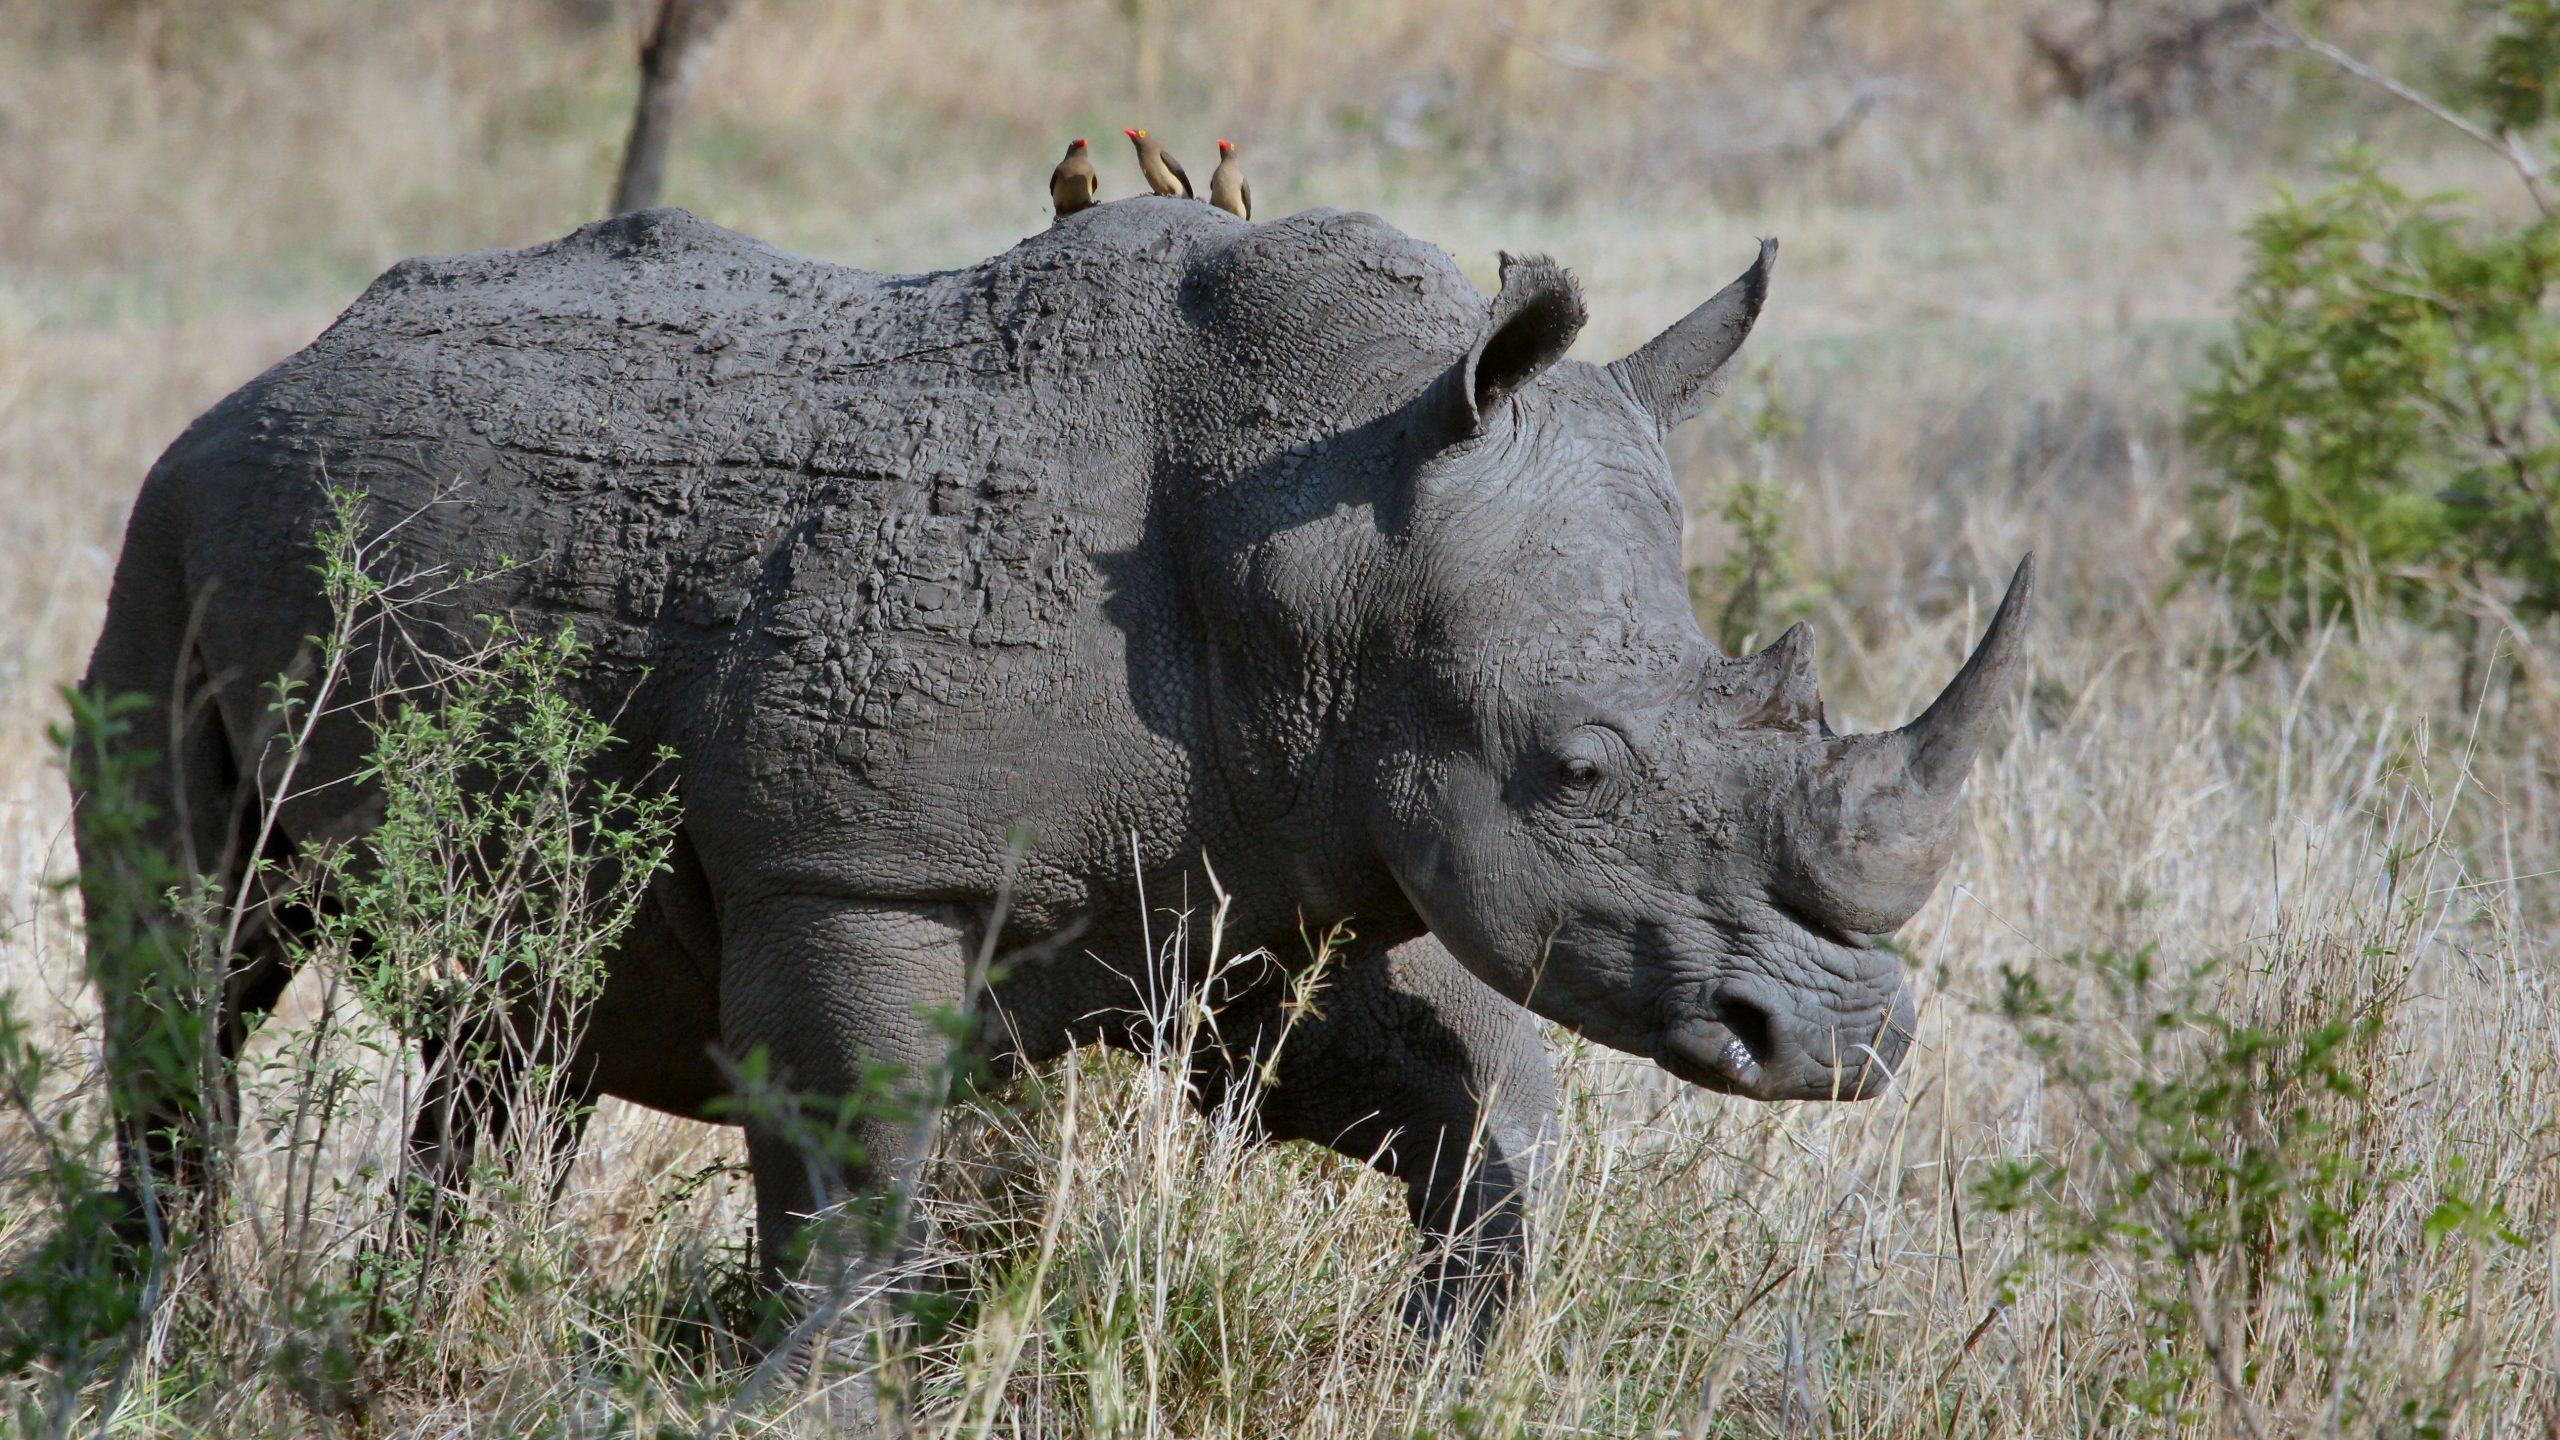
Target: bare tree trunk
{"x":670,"y":65}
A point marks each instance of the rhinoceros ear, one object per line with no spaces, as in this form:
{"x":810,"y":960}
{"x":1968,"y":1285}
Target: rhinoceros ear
{"x":1533,"y":323}
{"x":1677,"y":369}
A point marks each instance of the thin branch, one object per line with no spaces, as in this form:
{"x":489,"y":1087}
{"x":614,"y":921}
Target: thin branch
{"x":2503,"y":142}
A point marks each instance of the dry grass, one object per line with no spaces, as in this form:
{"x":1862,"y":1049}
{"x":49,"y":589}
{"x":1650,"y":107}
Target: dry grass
{"x":1984,"y":317}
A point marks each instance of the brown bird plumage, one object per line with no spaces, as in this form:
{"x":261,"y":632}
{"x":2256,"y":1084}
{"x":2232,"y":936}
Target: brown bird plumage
{"x":1228,"y":189}
{"x":1075,"y":183}
{"x":1163,"y":172}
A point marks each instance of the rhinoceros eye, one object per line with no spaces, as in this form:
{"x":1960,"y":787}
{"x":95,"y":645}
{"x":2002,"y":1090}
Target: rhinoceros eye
{"x":1583,"y":767}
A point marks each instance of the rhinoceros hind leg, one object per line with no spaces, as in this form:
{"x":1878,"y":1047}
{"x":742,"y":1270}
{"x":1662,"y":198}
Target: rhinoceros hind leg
{"x":182,"y":809}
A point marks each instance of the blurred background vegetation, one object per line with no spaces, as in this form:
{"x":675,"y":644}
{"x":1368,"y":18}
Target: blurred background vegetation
{"x":190,"y":144}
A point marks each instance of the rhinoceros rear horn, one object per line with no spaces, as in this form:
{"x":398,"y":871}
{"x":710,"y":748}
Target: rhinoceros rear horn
{"x":1677,"y":369}
{"x":1873,"y":825}
{"x":1533,"y":322}
{"x":1779,"y":685}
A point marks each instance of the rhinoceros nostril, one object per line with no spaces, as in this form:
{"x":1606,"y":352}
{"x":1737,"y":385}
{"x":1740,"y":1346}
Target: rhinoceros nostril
{"x":1749,"y":1022}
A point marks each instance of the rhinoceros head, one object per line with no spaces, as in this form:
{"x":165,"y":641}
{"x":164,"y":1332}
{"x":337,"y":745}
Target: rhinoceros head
{"x":1662,"y":847}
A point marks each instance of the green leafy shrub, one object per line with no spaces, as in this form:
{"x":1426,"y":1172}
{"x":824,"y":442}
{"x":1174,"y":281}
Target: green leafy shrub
{"x":2218,"y":1167}
{"x":2217,"y":1158}
{"x":78,"y":1285}
{"x":477,"y":914}
{"x":67,"y":1304}
{"x":2381,"y":426}
{"x":499,"y":862}
{"x":2382,"y":423}
{"x":2519,"y":84}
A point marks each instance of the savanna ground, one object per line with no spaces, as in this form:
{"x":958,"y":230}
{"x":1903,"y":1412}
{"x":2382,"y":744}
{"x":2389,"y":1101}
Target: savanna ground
{"x":2234,"y":1105}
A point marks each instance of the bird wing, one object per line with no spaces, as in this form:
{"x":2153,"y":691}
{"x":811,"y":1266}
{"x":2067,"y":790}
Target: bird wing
{"x":1244,"y":188}
{"x":1176,"y":167}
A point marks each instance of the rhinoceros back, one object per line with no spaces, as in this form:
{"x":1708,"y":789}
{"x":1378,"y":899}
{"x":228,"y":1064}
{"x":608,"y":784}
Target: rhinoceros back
{"x":820,"y":518}
{"x":656,"y":425}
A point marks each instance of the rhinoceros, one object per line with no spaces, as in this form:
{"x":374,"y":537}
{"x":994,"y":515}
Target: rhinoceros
{"x":1177,"y":544}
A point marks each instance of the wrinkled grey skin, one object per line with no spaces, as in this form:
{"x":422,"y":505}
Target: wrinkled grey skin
{"x":1276,"y":547}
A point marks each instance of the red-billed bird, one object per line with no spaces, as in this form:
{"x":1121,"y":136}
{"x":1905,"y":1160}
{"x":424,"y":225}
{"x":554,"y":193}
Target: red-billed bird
{"x":1163,"y":172}
{"x":1075,"y":183}
{"x":1228,"y":189}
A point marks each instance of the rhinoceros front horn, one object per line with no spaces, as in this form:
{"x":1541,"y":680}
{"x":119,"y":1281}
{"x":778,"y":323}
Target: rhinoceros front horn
{"x":1874,"y":822}
{"x":1680,"y":367}
{"x":1946,"y":737}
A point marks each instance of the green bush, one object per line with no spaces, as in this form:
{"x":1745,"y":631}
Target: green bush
{"x":68,"y":1306}
{"x":478,"y":913}
{"x":2519,"y":84}
{"x":500,"y":867}
{"x":2223,"y":1172}
{"x":2219,"y":1164}
{"x":2381,"y":426}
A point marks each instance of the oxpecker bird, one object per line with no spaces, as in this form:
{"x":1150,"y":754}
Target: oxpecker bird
{"x":1073,"y":185}
{"x":1163,"y":172}
{"x":1228,"y":189}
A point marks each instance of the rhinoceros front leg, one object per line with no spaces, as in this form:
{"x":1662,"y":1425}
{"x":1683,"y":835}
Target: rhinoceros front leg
{"x":839,"y":999}
{"x":1414,"y":1066}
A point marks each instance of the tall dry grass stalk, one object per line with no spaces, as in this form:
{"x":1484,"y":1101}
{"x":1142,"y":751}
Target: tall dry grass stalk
{"x":1983,"y":319}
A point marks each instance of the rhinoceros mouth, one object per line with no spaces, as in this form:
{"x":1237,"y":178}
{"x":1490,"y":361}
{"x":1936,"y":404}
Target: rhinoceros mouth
{"x":1713,"y":1058}
{"x":1748,"y":1042}
{"x":1724,"y":1064}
